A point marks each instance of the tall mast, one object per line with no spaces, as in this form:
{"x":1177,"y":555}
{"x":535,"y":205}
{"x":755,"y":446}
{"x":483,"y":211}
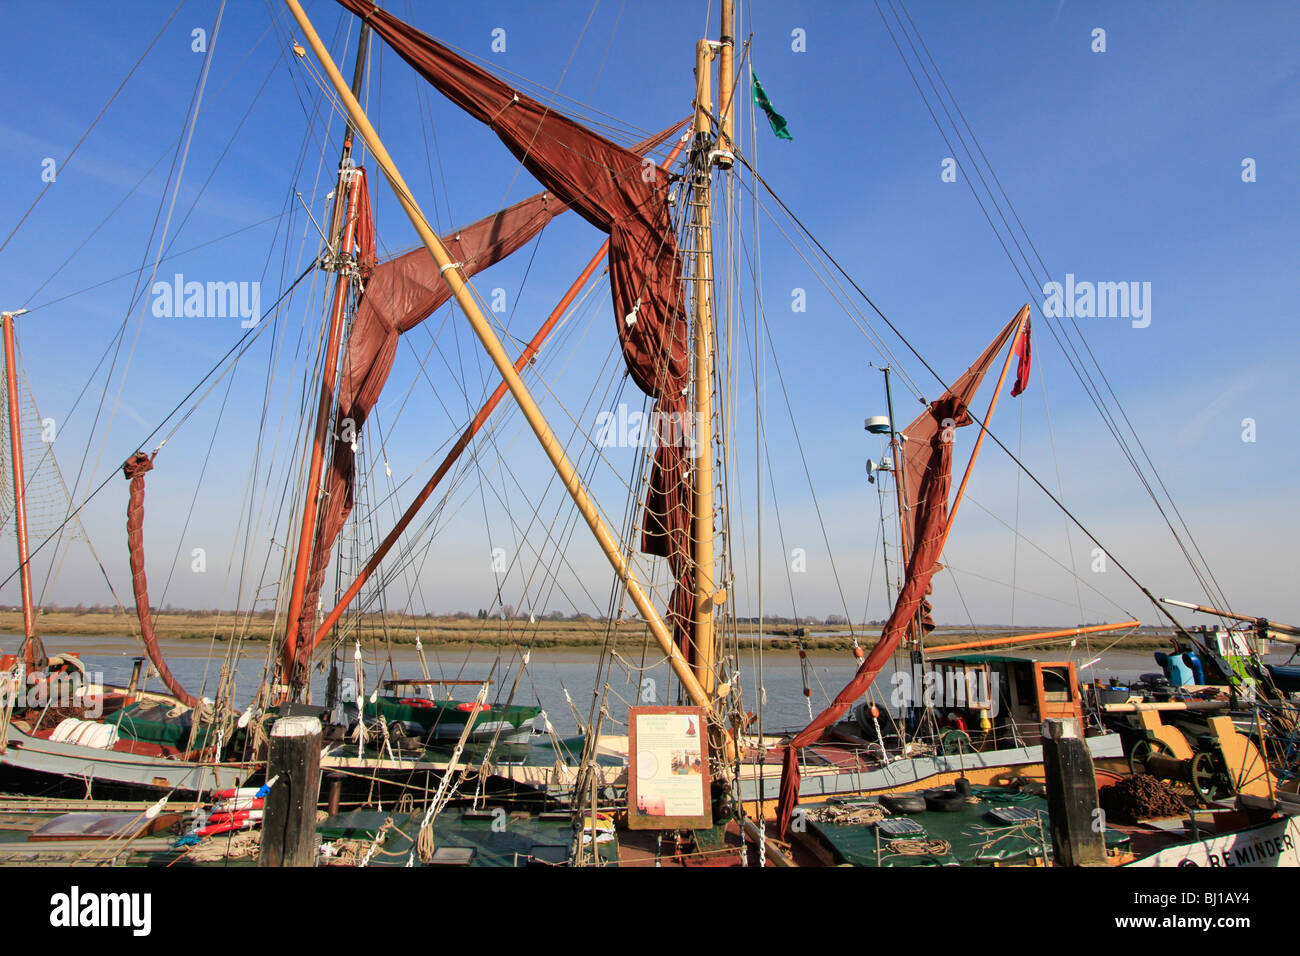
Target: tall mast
{"x":702,"y":295}
{"x":727,"y":85}
{"x":342,"y":220}
{"x":32,"y":649}
{"x":708,"y":152}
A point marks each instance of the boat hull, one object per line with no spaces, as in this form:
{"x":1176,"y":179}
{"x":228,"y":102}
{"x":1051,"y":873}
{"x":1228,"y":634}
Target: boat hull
{"x":93,"y":767}
{"x":1276,"y":843}
{"x":760,"y":787}
{"x":446,"y":719}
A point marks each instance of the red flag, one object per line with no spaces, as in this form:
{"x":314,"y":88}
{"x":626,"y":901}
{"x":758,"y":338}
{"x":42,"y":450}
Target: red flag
{"x":1022,"y":370}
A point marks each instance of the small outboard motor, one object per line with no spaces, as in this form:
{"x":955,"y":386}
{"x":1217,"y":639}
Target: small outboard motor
{"x":1156,"y":686}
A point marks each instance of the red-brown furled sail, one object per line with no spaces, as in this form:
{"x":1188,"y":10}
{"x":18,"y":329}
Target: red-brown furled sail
{"x":399,"y":295}
{"x":926,"y":468}
{"x":525,"y":357}
{"x":916,"y":444}
{"x":620,"y":193}
{"x":135,"y":469}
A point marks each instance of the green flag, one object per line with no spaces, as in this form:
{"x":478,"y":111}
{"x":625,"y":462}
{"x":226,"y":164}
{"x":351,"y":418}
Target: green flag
{"x":776,"y":119}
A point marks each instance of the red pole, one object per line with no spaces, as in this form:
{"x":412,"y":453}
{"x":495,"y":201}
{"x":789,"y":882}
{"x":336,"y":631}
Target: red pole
{"x":461,"y":444}
{"x":31,"y":643}
{"x":329,"y":375}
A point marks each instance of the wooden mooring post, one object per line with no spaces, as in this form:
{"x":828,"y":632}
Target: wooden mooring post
{"x":1078,"y":827}
{"x":289,"y":820}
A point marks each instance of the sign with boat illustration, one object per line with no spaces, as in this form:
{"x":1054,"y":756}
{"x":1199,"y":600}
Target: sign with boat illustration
{"x":668,"y":772}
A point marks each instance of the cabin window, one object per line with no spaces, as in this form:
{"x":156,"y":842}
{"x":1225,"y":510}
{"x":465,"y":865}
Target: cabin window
{"x":1024,"y":684}
{"x":1056,"y":685}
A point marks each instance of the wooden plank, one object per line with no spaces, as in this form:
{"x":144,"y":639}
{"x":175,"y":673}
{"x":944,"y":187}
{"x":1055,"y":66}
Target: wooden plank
{"x":71,"y":848}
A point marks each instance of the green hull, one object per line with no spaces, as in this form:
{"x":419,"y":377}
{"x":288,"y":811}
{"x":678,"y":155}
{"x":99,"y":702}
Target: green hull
{"x":447,"y":718}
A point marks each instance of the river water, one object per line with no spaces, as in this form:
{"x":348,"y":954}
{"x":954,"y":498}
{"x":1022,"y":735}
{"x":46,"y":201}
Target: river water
{"x":550,"y":673}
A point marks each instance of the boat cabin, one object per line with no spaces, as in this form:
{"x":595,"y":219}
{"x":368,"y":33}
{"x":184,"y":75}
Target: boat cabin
{"x":996,"y":700}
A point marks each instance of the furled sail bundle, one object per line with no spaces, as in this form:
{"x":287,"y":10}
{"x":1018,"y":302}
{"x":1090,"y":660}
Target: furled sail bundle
{"x":916,"y":439}
{"x":915,"y":451}
{"x":618,"y":192}
{"x":135,"y":468}
{"x":926,"y":472}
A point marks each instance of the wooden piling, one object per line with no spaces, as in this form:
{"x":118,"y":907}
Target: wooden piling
{"x":335,"y":792}
{"x":1078,"y":827}
{"x":289,"y":820}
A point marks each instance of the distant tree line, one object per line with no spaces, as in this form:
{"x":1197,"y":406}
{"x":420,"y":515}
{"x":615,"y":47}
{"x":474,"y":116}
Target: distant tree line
{"x":509,"y":612}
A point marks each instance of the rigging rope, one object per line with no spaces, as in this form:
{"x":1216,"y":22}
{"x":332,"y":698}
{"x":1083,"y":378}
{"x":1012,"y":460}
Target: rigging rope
{"x":1203,"y":574}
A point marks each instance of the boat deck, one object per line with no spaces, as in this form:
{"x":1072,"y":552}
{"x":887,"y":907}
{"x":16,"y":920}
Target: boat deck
{"x":996,"y":826}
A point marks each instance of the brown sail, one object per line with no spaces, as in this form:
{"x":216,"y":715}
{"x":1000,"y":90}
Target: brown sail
{"x":399,"y":295}
{"x":135,"y":469}
{"x":926,"y":470}
{"x":916,"y":437}
{"x":620,"y":193}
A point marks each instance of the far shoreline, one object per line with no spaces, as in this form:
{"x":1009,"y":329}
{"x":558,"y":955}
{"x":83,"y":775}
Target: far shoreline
{"x":453,"y":631}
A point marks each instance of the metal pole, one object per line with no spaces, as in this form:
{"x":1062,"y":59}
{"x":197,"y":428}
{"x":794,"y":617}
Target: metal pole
{"x":899,"y":469}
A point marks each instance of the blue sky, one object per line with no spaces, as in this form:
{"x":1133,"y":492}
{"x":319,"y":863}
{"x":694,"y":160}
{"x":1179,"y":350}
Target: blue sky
{"x":1123,"y":166}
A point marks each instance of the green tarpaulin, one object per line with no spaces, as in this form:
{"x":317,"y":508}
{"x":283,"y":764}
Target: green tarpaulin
{"x":150,"y":723}
{"x":975,"y":838}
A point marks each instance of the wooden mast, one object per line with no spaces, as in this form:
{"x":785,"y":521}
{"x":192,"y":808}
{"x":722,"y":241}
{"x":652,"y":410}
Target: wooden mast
{"x":702,"y":508}
{"x":32,"y":650}
{"x":343,"y":218}
{"x":727,"y":85}
{"x":1029,"y":638}
{"x":709,"y":151}
{"x":608,"y":543}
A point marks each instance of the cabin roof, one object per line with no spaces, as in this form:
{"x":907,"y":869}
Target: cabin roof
{"x":980,"y":659}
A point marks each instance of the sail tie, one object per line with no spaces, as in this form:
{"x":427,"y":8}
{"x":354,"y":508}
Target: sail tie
{"x":631,"y":317}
